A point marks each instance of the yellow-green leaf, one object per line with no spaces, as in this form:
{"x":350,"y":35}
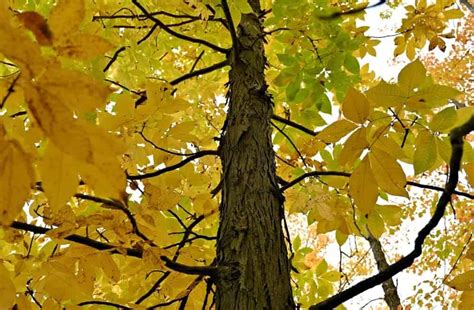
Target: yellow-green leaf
{"x":434,"y":95}
{"x":426,"y":152}
{"x":386,"y":95}
{"x":355,"y":106}
{"x":335,"y":131}
{"x":444,"y":120}
{"x":388,"y":172}
{"x":375,"y":224}
{"x":463,"y":282}
{"x":412,"y":76}
{"x":363,"y":187}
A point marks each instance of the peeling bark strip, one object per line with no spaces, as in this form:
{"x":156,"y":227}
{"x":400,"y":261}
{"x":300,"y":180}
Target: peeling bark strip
{"x":250,"y":238}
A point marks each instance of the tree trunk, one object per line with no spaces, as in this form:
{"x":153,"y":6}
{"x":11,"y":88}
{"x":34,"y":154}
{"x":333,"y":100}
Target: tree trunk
{"x":251,"y":251}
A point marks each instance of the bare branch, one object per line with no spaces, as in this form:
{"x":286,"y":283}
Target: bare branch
{"x":456,"y":139}
{"x":10,"y":91}
{"x":198,"y":270}
{"x":81,"y":240}
{"x":347,"y":174}
{"x":173,"y":167}
{"x":177,"y":34}
{"x":230,"y":22}
{"x":101,"y":302}
{"x":114,"y":58}
{"x":202,"y":71}
{"x":294,"y":125}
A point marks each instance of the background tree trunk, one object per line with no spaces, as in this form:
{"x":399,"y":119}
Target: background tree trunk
{"x":250,"y":239}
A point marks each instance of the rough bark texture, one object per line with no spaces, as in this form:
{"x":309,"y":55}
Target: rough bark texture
{"x":251,"y":251}
{"x":391,"y":295}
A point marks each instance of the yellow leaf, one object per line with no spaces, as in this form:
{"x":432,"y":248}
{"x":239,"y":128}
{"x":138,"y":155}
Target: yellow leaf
{"x":453,"y":14}
{"x":363,"y":187}
{"x":354,"y":146}
{"x":108,"y":265}
{"x":412,"y":76}
{"x":152,"y":257}
{"x":16,"y":178}
{"x":7,"y":289}
{"x":388,"y":172}
{"x":66,"y":17}
{"x":79,"y":92}
{"x":355,"y":106}
{"x":435,"y":95}
{"x":15,"y":44}
{"x":470,"y":251}
{"x":59,"y":177}
{"x":83,"y":46}
{"x":426,"y":152}
{"x":466,"y":300}
{"x":38,"y":25}
{"x":463,"y":282}
{"x":335,"y":131}
{"x":386,"y":95}
{"x":469,"y":169}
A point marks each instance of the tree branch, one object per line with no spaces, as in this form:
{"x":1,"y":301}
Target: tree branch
{"x":294,"y":125}
{"x":177,"y":34}
{"x":456,"y":140}
{"x":230,"y":22}
{"x":118,"y":206}
{"x":114,"y":58}
{"x":80,"y":239}
{"x":10,"y":91}
{"x":173,"y":167}
{"x":197,"y":270}
{"x":390,"y":290}
{"x":347,"y":174}
{"x":101,"y":302}
{"x":202,"y":71}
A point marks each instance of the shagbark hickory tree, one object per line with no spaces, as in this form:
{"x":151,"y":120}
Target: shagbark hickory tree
{"x":151,"y":150}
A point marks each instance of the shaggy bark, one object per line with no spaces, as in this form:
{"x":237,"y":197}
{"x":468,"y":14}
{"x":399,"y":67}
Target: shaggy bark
{"x":251,"y":251}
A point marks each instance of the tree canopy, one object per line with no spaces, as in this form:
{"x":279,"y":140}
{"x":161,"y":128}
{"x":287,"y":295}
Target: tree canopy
{"x":235,"y":154}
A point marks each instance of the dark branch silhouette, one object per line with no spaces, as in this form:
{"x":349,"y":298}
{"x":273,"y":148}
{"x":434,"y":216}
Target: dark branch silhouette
{"x":81,"y":240}
{"x":294,"y":125}
{"x":177,"y":34}
{"x":456,"y":140}
{"x":347,"y":174}
{"x":173,"y":167}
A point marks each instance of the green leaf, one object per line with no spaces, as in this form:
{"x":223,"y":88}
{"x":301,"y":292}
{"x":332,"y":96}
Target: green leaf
{"x":445,"y":120}
{"x":426,"y":152}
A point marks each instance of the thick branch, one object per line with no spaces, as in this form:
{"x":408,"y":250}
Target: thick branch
{"x":455,"y":163}
{"x":347,"y":174}
{"x":80,"y":239}
{"x":390,"y":290}
{"x":173,"y":167}
{"x":177,"y":34}
{"x":198,"y":270}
